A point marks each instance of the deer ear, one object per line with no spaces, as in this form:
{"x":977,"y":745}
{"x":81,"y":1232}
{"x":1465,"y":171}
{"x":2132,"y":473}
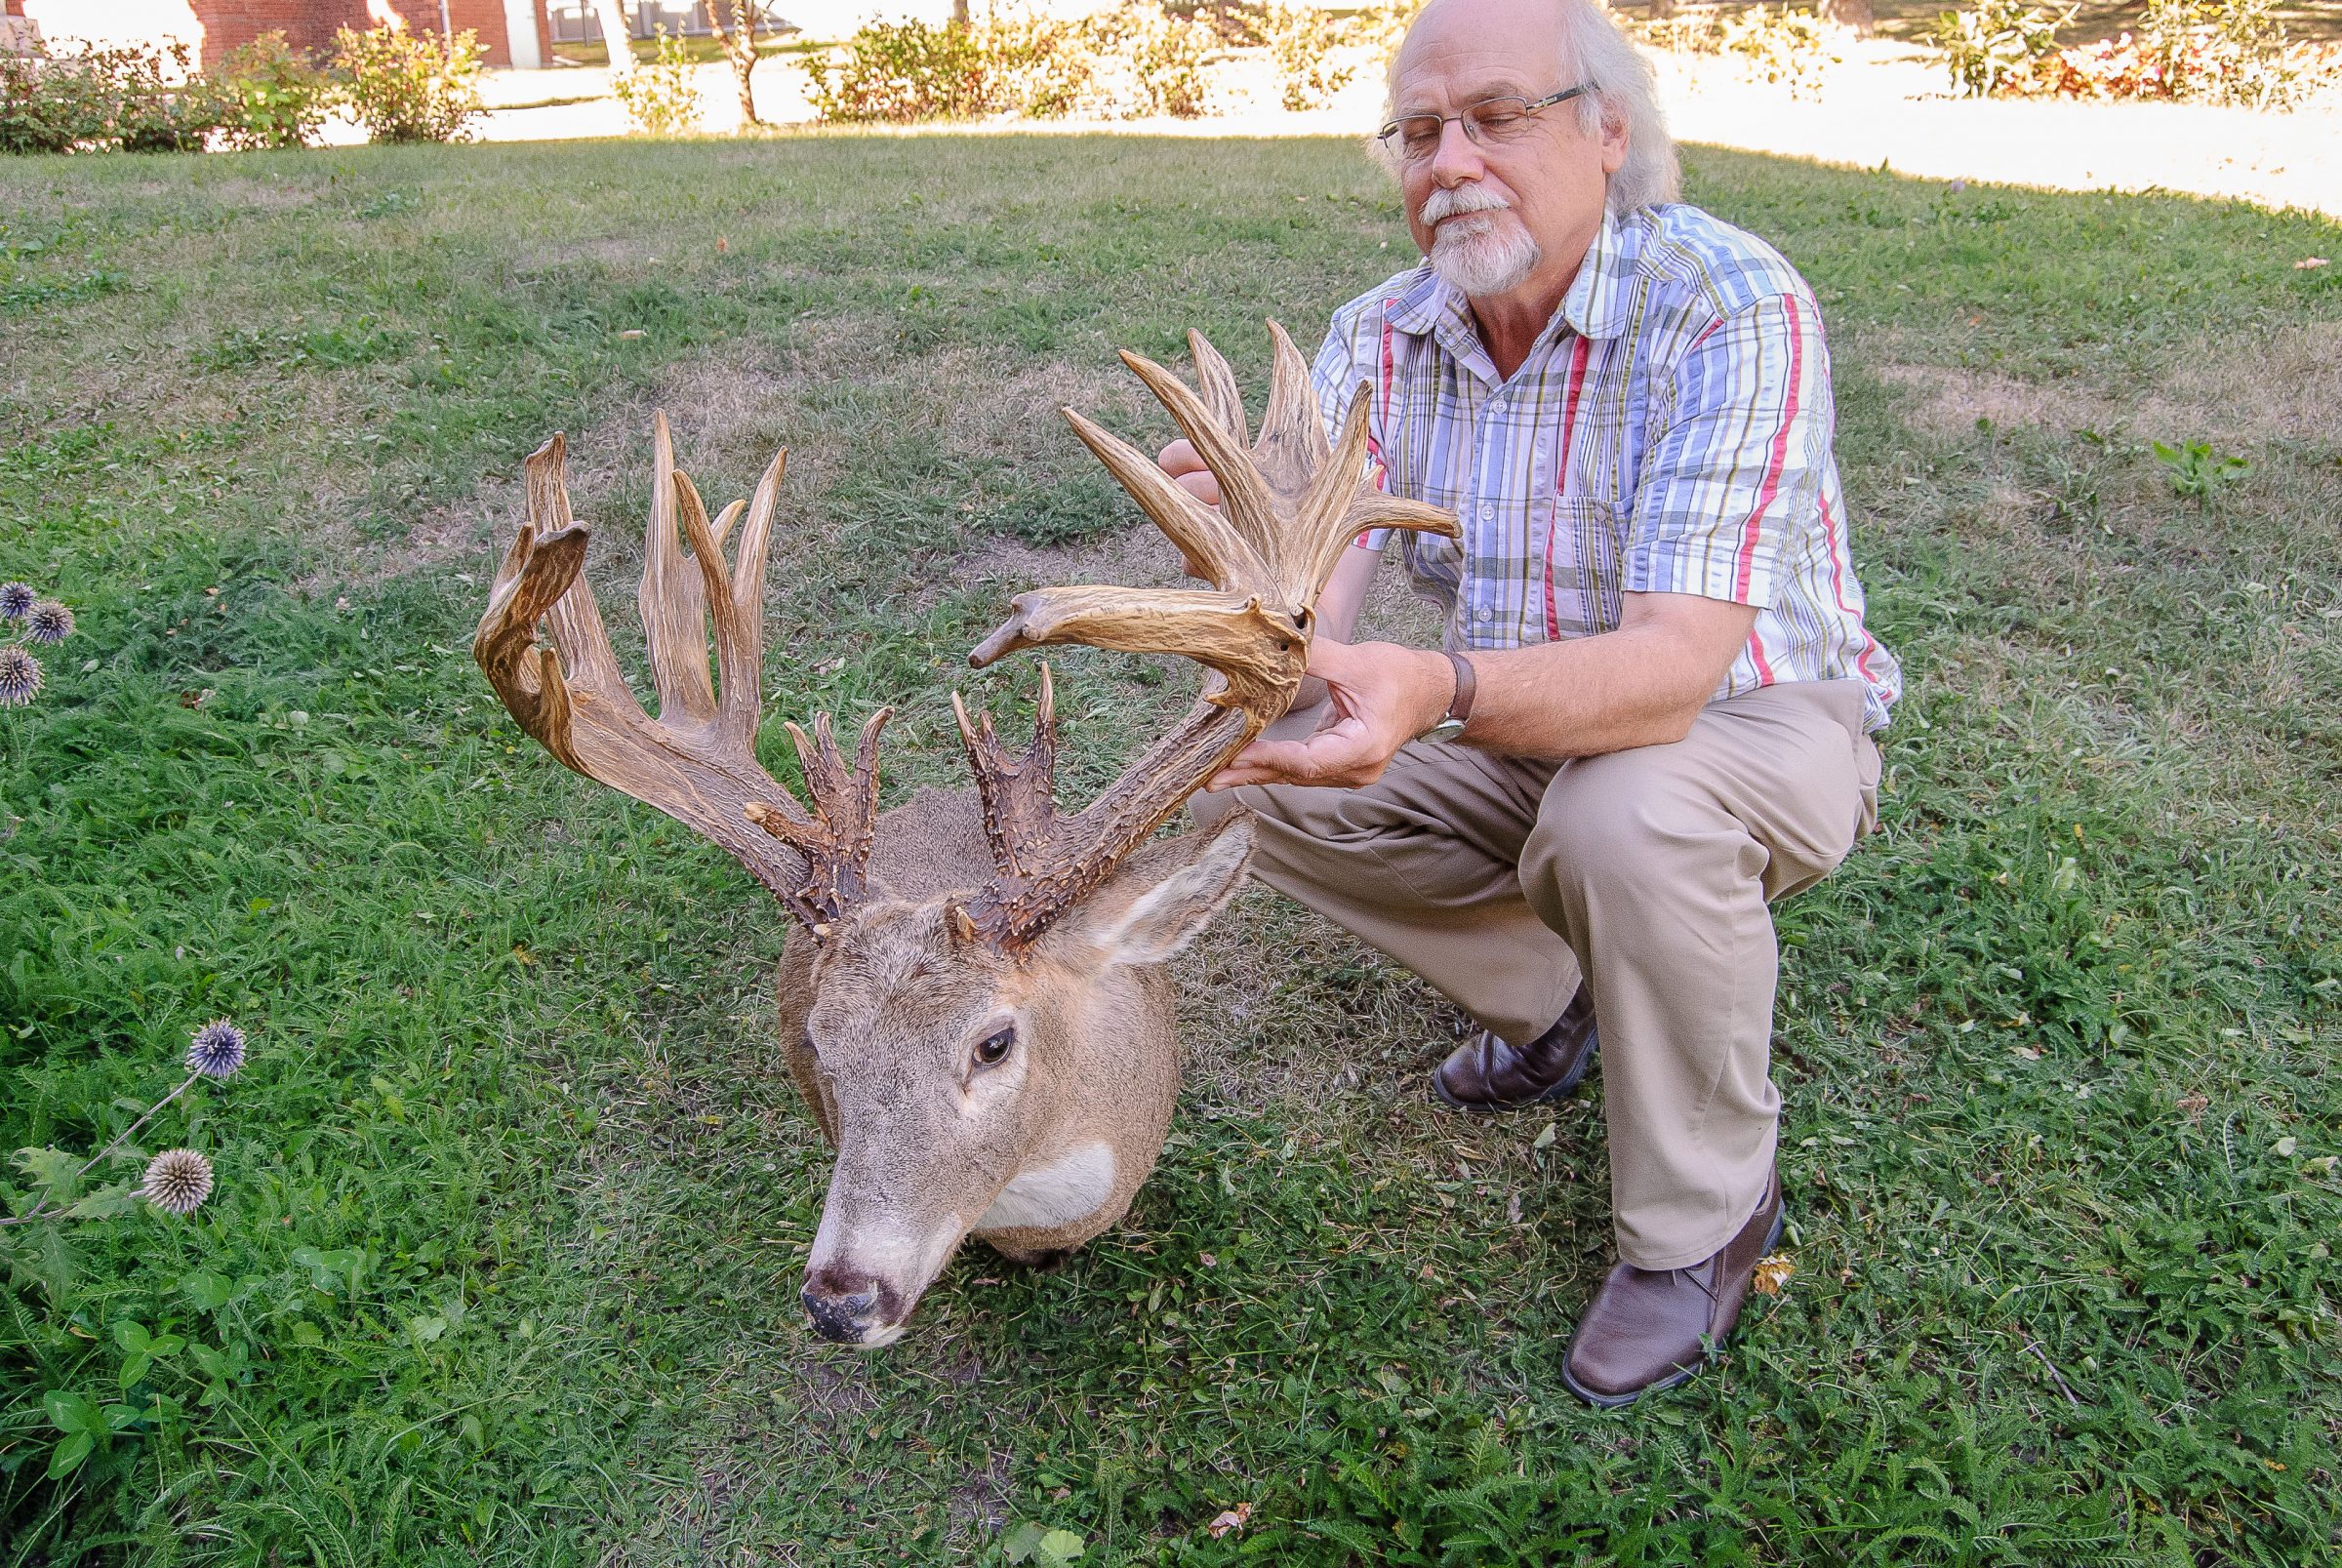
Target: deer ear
{"x":1161,"y":901}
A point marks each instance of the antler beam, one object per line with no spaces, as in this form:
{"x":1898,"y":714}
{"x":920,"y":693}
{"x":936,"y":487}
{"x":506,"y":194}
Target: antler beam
{"x":697,"y":761}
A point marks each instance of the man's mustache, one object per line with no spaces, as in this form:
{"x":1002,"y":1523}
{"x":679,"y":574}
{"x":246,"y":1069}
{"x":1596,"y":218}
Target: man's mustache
{"x":1457,"y":200}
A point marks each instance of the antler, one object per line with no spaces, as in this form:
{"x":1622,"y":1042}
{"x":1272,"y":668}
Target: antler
{"x":697,"y":762}
{"x":1290,"y":503}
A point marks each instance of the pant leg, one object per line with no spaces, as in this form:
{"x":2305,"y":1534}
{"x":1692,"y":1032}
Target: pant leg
{"x":1423,"y":865}
{"x":1655,"y":865}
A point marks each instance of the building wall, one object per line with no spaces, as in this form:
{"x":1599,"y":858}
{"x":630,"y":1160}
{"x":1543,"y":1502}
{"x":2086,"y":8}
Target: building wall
{"x":213,"y":28}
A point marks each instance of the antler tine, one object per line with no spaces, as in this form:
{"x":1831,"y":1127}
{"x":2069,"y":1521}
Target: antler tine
{"x":836,"y":844}
{"x":1292,"y":447}
{"x":1244,"y":494}
{"x":1218,"y":385}
{"x":1199,"y":530}
{"x":673,"y":601}
{"x":697,"y":762}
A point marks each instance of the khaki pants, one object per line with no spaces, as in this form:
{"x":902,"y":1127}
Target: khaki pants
{"x":1502,"y":881}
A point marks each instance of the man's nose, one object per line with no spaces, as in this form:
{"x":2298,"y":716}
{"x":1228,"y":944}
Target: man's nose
{"x":1458,"y":157}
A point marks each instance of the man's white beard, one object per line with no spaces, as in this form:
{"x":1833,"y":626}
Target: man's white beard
{"x":1486,"y":254}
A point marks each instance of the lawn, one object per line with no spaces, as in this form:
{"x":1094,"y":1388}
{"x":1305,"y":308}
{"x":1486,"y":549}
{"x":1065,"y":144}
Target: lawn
{"x":514,"y":1194}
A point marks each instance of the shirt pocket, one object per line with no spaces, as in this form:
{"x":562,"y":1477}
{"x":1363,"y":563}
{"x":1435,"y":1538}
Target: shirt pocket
{"x":1584,"y":567}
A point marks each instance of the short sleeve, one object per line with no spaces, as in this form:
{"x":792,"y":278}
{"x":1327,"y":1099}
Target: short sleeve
{"x":1739,"y":458}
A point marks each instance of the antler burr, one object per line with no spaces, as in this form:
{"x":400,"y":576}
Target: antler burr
{"x":1290,"y":502}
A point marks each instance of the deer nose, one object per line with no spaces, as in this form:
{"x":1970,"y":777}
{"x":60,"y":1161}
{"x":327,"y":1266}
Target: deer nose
{"x":843,"y":1310}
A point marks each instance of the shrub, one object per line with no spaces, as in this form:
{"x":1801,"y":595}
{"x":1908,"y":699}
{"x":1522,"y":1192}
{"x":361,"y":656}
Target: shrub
{"x":138,"y":99}
{"x":1160,"y":58}
{"x":2207,"y":51}
{"x":658,"y":94}
{"x":410,"y":87}
{"x":904,"y":71}
{"x":1784,"y":45}
{"x":1301,"y":41}
{"x":51,"y":104}
{"x":271,"y":94}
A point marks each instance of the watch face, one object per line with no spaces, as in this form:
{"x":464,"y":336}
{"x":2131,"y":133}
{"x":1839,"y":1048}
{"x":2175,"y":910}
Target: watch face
{"x":1445,"y":730}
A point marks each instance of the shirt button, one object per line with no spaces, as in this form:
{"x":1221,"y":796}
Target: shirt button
{"x":1487,"y":511}
{"x":1497,"y":406}
{"x":1483,"y":613}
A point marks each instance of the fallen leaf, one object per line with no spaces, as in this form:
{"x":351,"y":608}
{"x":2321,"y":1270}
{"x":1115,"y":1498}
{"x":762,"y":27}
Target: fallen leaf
{"x":2309,"y":261}
{"x":1235,"y":1518}
{"x":632,"y":332}
{"x":1772,"y":1273}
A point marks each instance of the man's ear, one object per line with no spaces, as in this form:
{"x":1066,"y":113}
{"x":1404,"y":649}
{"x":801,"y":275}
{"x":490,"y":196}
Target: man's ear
{"x":1163,"y":897}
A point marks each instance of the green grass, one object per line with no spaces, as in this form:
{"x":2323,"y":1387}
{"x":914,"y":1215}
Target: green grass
{"x":515,"y":1193}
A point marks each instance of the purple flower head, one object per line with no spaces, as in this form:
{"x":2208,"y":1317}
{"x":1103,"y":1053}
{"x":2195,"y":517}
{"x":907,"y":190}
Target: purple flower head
{"x":49,"y":621}
{"x":177,"y":1181}
{"x":20,"y":677}
{"x":218,"y":1050}
{"x":16,"y":598}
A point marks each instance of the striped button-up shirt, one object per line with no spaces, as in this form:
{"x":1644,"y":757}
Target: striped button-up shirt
{"x":1670,"y":431}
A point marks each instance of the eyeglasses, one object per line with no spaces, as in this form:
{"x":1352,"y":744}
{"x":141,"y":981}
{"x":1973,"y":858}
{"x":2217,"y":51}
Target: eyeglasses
{"x":1491,"y":122}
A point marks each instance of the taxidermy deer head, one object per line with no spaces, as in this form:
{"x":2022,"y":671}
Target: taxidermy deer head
{"x":974,"y":1005}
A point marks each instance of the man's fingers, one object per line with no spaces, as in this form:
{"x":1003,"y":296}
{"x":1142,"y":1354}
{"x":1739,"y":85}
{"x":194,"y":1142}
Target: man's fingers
{"x":1200,"y":484}
{"x":1341,"y":755}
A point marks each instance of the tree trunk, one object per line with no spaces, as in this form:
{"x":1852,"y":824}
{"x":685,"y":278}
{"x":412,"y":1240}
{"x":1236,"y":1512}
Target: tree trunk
{"x":734,"y":24}
{"x":1855,"y":15}
{"x":617,"y":36}
{"x":1661,"y":10}
{"x":959,"y":12}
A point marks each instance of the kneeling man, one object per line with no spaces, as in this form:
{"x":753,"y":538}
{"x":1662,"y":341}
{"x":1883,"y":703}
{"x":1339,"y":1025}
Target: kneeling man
{"x":1654,"y":708}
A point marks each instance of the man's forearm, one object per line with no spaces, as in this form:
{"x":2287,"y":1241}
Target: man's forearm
{"x":1635,"y":686}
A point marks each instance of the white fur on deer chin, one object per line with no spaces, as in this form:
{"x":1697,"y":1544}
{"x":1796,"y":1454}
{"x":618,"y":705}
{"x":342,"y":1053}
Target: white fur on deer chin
{"x":1073,"y":1187}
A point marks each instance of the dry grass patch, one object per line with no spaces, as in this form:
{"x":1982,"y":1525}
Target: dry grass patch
{"x":2286,"y":387}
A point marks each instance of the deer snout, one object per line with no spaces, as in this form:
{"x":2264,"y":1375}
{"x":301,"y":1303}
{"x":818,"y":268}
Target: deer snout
{"x":850,"y":1308}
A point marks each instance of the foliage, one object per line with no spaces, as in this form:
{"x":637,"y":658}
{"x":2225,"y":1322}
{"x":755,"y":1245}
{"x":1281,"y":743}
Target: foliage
{"x":898,"y":72}
{"x":2197,"y":470}
{"x":136,"y":98}
{"x":1302,"y":41}
{"x":272,"y":96}
{"x":1779,"y":44}
{"x":507,"y":1272}
{"x":1136,"y":61}
{"x":659,"y":93}
{"x":2204,"y":50}
{"x":406,"y":86}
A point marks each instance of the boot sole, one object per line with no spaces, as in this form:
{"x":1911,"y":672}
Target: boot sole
{"x":1613,"y":1401}
{"x":1563,"y":1087}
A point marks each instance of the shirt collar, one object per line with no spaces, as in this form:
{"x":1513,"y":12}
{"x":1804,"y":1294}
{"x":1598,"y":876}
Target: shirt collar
{"x":1597,"y":304}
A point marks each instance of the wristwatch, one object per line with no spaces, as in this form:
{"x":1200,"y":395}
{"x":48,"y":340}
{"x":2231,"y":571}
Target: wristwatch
{"x":1458,"y":708}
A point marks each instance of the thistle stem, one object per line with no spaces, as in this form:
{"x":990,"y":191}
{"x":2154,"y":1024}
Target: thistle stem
{"x":42,"y":1210}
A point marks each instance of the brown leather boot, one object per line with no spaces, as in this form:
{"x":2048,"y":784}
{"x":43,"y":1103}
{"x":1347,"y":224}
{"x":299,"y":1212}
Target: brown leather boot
{"x":1484,"y":1074}
{"x":1650,"y":1329}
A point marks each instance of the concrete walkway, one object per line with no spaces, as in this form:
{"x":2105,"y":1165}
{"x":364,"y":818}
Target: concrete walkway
{"x":1885,"y":104}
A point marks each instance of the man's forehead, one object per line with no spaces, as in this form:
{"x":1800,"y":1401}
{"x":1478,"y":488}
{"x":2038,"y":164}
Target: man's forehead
{"x":1462,"y":51}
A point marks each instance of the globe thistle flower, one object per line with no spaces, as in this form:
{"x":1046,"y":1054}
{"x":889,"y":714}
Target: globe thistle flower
{"x":16,"y":600}
{"x":48,"y":621}
{"x":216,"y":1049}
{"x":177,"y":1181}
{"x":20,"y":677}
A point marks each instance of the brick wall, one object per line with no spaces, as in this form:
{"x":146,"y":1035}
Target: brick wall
{"x":216,"y":26}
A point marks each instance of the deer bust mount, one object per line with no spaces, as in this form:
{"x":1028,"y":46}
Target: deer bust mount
{"x":973,"y":1002}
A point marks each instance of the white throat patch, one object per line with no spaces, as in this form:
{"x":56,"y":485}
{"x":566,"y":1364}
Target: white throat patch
{"x":1073,"y":1187}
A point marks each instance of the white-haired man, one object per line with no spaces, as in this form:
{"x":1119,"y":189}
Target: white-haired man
{"x":1653,"y":710}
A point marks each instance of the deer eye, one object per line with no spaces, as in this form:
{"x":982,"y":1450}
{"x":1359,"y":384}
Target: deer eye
{"x":992,"y":1046}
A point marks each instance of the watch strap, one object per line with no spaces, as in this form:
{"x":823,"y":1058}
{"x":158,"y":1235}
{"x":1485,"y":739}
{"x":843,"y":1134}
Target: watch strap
{"x":1459,"y":707}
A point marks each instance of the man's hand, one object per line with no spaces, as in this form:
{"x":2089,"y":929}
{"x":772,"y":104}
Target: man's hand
{"x":1378,"y":697}
{"x":1180,"y":461}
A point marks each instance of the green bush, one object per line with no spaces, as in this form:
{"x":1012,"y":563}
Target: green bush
{"x":658,"y":94}
{"x":410,"y":87}
{"x":1780,"y":45}
{"x":271,"y":94}
{"x":900,"y":72}
{"x":2202,"y":51}
{"x":138,"y":99}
